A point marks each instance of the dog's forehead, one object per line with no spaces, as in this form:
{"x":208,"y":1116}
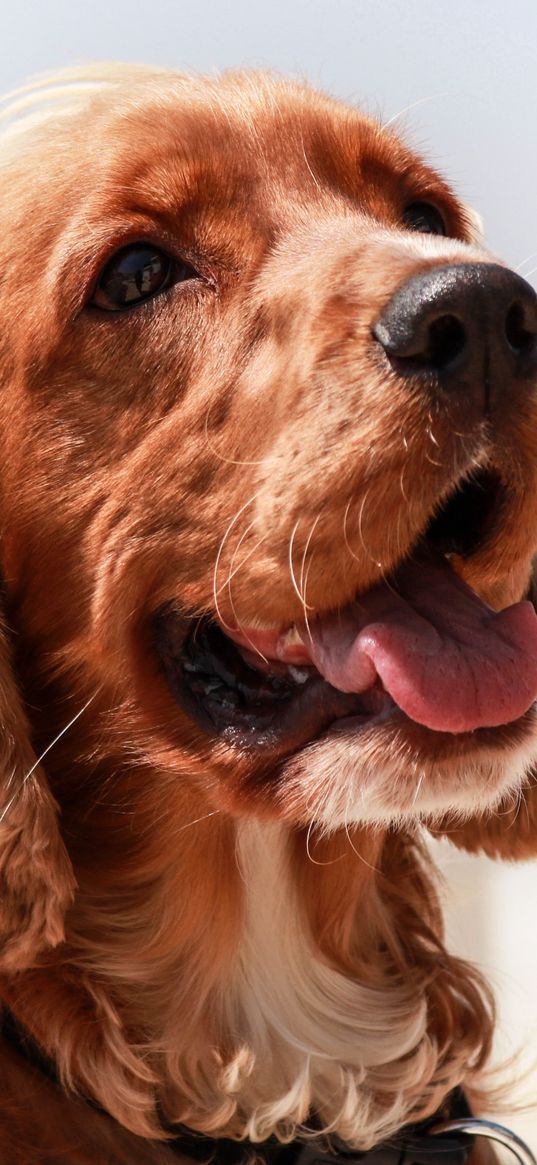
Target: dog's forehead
{"x":235,"y":138}
{"x":270,"y":137}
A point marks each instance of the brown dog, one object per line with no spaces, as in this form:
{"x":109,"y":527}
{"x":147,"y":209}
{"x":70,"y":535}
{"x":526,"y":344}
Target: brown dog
{"x":268,"y":479}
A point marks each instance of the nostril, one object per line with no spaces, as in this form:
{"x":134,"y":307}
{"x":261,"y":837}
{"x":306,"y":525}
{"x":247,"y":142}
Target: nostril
{"x":447,"y":340}
{"x":520,"y":338}
{"x":433,"y":345}
{"x":469,"y":328}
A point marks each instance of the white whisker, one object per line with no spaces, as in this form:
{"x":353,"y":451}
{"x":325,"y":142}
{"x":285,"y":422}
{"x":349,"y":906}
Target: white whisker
{"x":221,"y":457}
{"x":313,"y":860}
{"x":220,"y":552}
{"x":233,"y":570}
{"x":45,"y":753}
{"x":414,"y":105}
{"x":528,"y":274}
{"x":309,"y":607}
{"x":291,"y":567}
{"x":360,"y":856}
{"x":528,"y":259}
{"x":306,"y":548}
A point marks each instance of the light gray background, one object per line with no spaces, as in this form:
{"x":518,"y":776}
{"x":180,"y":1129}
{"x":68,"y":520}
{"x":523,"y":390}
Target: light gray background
{"x":466,"y":73}
{"x":467,"y":70}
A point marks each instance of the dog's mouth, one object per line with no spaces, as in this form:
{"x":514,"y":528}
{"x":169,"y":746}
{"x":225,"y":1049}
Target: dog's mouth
{"x":420,"y":644}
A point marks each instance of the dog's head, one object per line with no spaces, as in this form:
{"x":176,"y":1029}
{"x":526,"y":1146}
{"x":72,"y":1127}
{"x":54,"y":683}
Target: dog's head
{"x":269,"y":462}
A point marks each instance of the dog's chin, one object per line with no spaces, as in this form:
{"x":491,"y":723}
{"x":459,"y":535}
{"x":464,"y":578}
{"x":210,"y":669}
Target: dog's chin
{"x":393,"y":770}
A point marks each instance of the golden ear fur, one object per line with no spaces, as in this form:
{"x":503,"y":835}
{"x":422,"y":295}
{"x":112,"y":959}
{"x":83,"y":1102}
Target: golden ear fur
{"x":36,"y":878}
{"x":509,"y":831}
{"x":476,"y":226}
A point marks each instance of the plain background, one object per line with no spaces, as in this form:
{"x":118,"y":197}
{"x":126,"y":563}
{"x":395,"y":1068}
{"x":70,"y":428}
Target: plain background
{"x":460,"y":80}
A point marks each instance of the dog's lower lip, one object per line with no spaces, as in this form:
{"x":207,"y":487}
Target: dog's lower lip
{"x":275,"y":712}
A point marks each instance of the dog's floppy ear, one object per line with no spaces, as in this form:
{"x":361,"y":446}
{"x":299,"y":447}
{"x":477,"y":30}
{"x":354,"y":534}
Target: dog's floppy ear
{"x":508,"y":831}
{"x":36,"y":878}
{"x":476,"y":226}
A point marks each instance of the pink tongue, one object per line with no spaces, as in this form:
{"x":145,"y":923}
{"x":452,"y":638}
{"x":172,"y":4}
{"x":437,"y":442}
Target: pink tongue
{"x":447,"y":659}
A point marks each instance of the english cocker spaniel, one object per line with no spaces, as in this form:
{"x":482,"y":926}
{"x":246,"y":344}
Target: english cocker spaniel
{"x":268,"y":476}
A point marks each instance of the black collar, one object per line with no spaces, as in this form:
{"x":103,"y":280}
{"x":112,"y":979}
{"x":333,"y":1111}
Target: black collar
{"x":415,"y":1145}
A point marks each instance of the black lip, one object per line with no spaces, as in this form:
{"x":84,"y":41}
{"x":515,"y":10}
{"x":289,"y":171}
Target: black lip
{"x":249,"y":709}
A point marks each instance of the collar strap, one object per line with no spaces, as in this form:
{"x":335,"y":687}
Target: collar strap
{"x":416,"y":1145}
{"x":452,"y":1149}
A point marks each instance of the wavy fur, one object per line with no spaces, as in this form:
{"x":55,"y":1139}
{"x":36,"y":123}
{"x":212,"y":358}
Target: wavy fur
{"x":218,"y":937}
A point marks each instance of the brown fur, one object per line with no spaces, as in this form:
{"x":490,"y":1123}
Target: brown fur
{"x":149,"y":457}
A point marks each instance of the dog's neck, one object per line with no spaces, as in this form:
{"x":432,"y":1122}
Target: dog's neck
{"x":323,"y":1030}
{"x":302,"y":974}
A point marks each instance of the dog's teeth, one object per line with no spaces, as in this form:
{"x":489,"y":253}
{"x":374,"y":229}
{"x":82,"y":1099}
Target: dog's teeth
{"x":290,"y":638}
{"x":298,"y":674}
{"x":290,"y":649}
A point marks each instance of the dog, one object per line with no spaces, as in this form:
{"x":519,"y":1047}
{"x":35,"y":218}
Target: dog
{"x":268,"y":480}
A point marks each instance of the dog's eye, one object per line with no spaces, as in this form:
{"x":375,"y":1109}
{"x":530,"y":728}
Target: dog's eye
{"x":421,"y":216}
{"x":136,"y":273}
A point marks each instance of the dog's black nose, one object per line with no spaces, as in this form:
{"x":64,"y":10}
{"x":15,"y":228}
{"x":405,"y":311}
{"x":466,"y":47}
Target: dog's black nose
{"x":469,"y":327}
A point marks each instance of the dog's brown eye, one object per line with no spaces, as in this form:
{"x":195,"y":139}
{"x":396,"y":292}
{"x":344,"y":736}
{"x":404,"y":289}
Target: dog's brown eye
{"x":136,"y":273}
{"x":421,"y":216}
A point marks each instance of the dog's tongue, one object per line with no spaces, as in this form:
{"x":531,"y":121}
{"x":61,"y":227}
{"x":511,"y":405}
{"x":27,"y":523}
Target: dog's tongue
{"x":446,"y":659}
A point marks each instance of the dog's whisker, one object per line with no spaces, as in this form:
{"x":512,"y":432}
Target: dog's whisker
{"x":250,"y":642}
{"x":220,"y":456}
{"x":366,"y":550}
{"x":315,"y":861}
{"x":374,"y":869}
{"x":415,"y":105}
{"x":232,"y":574}
{"x":308,"y":606}
{"x":361,"y":512}
{"x":45,"y":753}
{"x":233,"y":570}
{"x":306,"y":548}
{"x":296,"y":587}
{"x":376,"y":561}
{"x":227,"y":532}
{"x":523,"y":262}
{"x":345,"y":533}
